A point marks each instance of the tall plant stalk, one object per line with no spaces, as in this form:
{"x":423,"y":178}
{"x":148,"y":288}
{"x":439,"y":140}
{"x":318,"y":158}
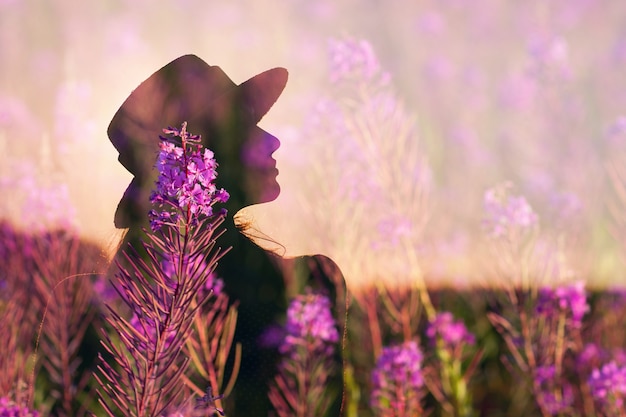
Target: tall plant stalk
{"x":165,"y":291}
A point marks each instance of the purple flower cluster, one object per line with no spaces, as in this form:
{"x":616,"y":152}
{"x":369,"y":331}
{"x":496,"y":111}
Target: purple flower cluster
{"x":555,"y":396}
{"x":10,"y":409}
{"x":397,"y":380}
{"x":353,"y":59}
{"x":590,"y":356}
{"x":452,"y":333}
{"x":504,"y":212}
{"x":165,"y":292}
{"x":300,"y":385}
{"x":608,"y":385}
{"x":185,"y":188}
{"x":569,"y":299}
{"x":310,"y":323}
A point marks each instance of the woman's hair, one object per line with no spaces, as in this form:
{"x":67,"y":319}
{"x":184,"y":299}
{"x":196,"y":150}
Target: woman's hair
{"x":245,"y":225}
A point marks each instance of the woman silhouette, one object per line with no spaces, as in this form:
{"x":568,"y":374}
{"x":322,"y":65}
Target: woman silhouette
{"x":226,"y":117}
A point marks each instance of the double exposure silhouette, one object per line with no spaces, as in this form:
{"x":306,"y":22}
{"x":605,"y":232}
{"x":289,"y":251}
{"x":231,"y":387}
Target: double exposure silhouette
{"x":226,"y":117}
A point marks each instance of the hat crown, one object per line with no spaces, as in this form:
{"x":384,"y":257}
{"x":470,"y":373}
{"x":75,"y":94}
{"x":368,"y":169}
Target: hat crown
{"x":182,"y":90}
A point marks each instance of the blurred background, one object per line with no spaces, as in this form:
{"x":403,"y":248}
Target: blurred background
{"x":398,"y":117}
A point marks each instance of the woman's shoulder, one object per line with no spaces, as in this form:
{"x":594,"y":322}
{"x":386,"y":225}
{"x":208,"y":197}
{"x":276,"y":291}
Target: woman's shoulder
{"x":314,"y":264}
{"x":319,"y":273}
{"x":322,"y":264}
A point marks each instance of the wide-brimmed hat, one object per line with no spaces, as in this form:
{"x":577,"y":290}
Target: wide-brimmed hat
{"x":186,"y":89}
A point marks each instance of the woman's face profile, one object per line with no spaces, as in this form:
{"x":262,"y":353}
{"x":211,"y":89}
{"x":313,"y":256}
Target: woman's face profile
{"x":259,"y":165}
{"x":244,"y":153}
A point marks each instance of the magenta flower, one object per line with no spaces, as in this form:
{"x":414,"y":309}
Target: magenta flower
{"x":590,"y":356}
{"x":10,"y":409}
{"x":608,"y":386}
{"x":300,"y":385}
{"x":164,"y":291}
{"x":452,"y":333}
{"x":569,"y":299}
{"x":555,"y":396}
{"x":185,"y":188}
{"x":352,"y":59}
{"x":397,"y":381}
{"x":505,"y":213}
{"x":310,"y":323}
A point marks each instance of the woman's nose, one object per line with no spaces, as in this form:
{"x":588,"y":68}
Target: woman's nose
{"x":257,"y":151}
{"x":269,"y":142}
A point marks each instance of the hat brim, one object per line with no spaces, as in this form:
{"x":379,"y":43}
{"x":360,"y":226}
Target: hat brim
{"x":262,"y":90}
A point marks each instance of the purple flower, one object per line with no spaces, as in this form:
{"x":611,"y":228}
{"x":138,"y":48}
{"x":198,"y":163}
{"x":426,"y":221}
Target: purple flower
{"x":608,"y":385}
{"x":545,"y":374}
{"x":555,"y":405}
{"x":590,"y":355}
{"x":504,"y":213}
{"x":397,"y":379}
{"x":353,"y":59}
{"x":165,"y":291}
{"x":310,"y":323}
{"x":310,"y":338}
{"x":569,"y":299}
{"x":549,"y":385}
{"x":185,"y":188}
{"x":10,"y":409}
{"x":453,"y":333}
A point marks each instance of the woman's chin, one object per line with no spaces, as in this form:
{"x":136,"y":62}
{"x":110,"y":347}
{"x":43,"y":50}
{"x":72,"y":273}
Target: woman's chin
{"x":262,"y":188}
{"x":270,"y":193}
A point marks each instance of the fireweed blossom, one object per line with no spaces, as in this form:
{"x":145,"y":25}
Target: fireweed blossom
{"x":452,"y":333}
{"x":10,"y":409}
{"x":311,"y":338}
{"x":608,"y":388}
{"x":453,"y":345}
{"x":505,"y":213}
{"x":185,"y":188}
{"x":165,"y":289}
{"x":397,"y":381}
{"x":570,"y":300}
{"x":559,"y":312}
{"x":310,"y":322}
{"x":350,"y":58}
{"x":554,"y":396}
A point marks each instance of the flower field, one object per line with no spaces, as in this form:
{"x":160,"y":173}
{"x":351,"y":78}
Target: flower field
{"x":449,"y":237}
